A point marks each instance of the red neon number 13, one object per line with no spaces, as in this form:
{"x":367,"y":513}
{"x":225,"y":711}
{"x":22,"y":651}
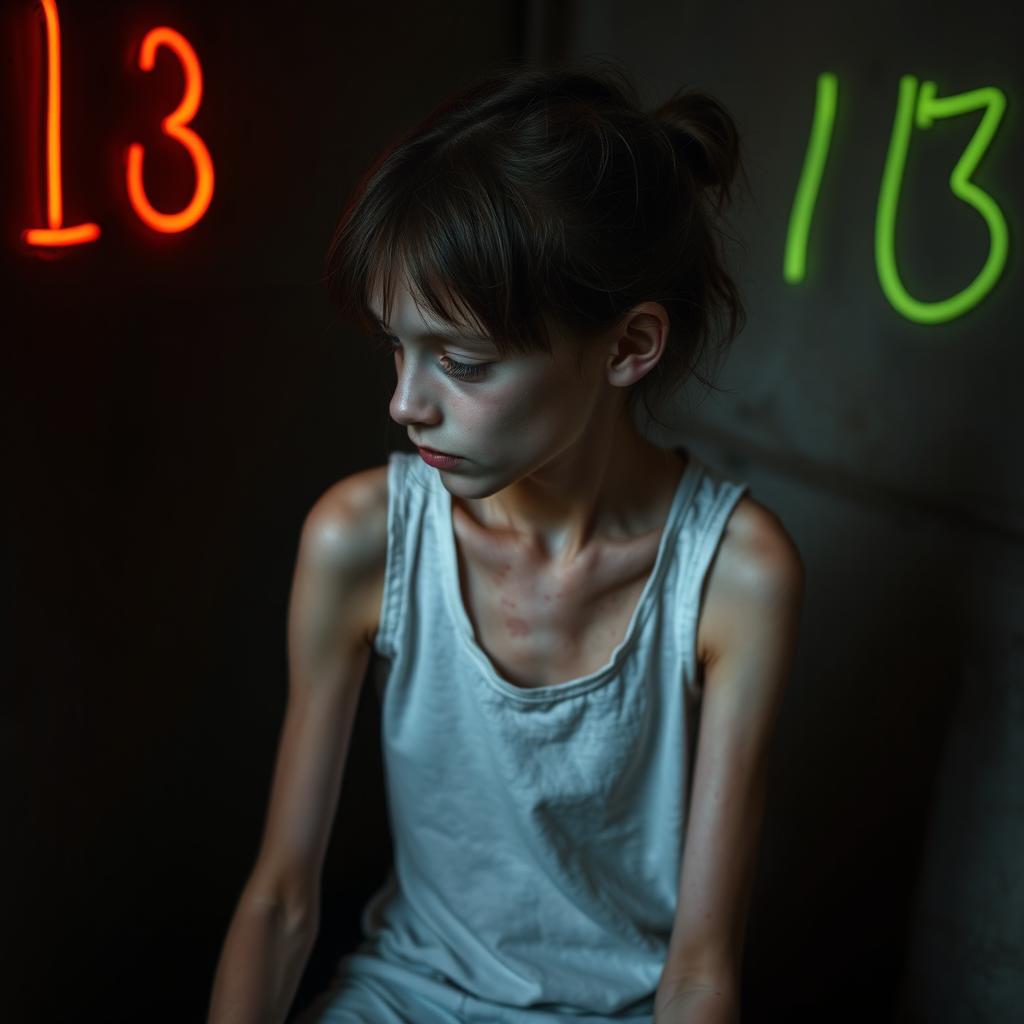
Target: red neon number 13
{"x":175,"y":126}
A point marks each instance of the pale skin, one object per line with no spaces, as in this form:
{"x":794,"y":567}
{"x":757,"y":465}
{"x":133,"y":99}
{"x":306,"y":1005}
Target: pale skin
{"x":557,"y":497}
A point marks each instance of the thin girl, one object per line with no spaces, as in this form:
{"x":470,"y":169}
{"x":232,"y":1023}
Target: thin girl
{"x":587,"y":636}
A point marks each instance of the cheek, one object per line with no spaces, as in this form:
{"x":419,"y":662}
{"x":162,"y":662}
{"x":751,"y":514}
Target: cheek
{"x":523,"y":408}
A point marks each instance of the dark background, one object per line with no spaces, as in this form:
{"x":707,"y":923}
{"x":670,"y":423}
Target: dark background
{"x":173,"y":405}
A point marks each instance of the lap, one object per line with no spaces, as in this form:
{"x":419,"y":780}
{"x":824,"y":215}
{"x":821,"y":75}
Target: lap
{"x":369,"y":990}
{"x":387,"y":994}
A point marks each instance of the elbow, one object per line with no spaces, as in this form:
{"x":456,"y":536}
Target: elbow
{"x":294,"y":907}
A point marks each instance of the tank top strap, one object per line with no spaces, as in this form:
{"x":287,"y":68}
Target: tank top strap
{"x":408,"y":497}
{"x":704,"y":526}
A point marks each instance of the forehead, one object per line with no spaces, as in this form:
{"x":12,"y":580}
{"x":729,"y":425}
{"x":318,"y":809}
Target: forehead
{"x":411,"y":319}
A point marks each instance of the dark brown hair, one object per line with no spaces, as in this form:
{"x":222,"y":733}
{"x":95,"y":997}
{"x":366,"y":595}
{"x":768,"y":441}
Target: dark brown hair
{"x":550,"y":192}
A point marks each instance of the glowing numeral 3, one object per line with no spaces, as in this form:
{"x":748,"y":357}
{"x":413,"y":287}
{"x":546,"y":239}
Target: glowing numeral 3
{"x":921,"y":110}
{"x":176,"y":126}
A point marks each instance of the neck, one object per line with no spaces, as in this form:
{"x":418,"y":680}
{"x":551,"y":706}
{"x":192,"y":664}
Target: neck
{"x":606,"y":485}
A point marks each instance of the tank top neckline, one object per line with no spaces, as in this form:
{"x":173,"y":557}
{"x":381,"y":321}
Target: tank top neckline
{"x":685,"y":489}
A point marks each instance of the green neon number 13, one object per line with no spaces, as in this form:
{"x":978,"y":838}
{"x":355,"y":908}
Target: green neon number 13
{"x":915,"y":108}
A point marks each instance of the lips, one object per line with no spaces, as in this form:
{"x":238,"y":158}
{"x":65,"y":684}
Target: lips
{"x":436,"y":451}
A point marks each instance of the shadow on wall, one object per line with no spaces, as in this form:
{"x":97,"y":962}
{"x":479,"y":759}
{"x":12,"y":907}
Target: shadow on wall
{"x":854,"y":765}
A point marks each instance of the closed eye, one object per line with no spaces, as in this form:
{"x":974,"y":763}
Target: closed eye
{"x":460,"y":371}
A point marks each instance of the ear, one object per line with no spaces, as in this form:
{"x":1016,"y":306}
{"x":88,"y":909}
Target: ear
{"x":637,"y":343}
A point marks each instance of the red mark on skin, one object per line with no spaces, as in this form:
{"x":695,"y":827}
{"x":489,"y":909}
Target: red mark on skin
{"x":517,"y":627}
{"x":508,"y":602}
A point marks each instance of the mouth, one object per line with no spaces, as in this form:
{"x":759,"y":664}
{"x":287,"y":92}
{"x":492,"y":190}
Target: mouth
{"x":435,"y":451}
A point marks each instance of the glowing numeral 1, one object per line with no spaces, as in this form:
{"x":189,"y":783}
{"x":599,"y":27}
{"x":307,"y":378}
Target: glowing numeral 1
{"x":175,"y":126}
{"x":56,"y":233}
{"x":795,"y":263}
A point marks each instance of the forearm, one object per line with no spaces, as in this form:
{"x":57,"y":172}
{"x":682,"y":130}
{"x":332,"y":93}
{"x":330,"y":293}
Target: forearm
{"x":261,"y":964}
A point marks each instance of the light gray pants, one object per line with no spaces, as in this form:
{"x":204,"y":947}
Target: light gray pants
{"x":368,"y":990}
{"x":383,"y":993}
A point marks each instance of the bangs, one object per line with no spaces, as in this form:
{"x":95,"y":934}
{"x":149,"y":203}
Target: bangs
{"x":460,"y":248}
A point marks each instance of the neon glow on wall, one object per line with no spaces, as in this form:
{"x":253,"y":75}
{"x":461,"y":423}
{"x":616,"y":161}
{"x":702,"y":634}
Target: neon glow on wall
{"x":175,"y":126}
{"x":916,"y":107}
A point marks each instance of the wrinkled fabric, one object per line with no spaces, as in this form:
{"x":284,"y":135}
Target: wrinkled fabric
{"x":538,"y":832}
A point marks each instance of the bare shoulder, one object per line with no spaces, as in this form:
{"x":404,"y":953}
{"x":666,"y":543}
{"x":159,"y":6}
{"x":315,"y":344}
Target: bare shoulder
{"x":757,"y":567}
{"x":345,"y":537}
{"x":349,"y":519}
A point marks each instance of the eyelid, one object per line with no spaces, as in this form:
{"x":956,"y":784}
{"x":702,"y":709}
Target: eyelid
{"x":466,"y":372}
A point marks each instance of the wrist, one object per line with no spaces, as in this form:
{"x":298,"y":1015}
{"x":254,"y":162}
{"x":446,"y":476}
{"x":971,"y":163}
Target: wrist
{"x":697,"y":999}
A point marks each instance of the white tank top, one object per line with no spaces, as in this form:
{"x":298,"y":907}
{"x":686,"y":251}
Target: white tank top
{"x":537,"y":832}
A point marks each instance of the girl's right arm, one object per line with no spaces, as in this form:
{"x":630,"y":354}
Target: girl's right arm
{"x":276,"y":920}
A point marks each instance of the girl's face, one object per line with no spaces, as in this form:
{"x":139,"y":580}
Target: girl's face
{"x":505,"y":418}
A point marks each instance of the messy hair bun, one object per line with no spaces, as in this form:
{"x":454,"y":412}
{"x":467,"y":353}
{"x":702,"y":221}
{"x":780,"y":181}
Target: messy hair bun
{"x":705,"y":139}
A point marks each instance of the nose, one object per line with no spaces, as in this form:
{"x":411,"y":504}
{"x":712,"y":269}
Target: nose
{"x":412,"y":402}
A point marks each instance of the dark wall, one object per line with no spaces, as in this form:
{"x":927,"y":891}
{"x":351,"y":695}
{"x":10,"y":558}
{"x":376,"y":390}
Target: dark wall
{"x":174,"y":405}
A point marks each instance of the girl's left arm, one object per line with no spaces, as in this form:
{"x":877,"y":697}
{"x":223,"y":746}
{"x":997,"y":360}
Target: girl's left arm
{"x":755,"y":588}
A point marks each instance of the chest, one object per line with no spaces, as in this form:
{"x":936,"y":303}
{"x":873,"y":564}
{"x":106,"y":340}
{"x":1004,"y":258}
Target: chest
{"x":543,"y":627}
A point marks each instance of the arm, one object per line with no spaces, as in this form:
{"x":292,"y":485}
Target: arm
{"x":756,"y":591}
{"x":275,"y":924}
